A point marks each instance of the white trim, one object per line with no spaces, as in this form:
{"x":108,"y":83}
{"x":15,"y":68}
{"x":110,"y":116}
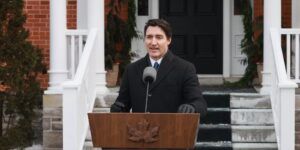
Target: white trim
{"x":295,"y":14}
{"x":226,"y":38}
{"x":154,"y":9}
{"x":81,"y":14}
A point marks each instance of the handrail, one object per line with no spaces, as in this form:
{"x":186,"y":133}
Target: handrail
{"x":282,"y":96}
{"x":79,"y":96}
{"x":289,"y":31}
{"x":76,"y":32}
{"x":277,"y":52}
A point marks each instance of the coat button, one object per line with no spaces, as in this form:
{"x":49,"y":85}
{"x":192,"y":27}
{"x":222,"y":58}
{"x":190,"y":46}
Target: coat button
{"x":149,"y":95}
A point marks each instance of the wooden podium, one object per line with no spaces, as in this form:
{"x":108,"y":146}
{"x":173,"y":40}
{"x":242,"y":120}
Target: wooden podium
{"x":144,"y":130}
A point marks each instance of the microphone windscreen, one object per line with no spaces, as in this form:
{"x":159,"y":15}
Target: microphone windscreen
{"x":149,"y":75}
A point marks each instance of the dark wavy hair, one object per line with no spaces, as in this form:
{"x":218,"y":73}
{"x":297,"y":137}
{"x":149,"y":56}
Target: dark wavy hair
{"x":163,"y":24}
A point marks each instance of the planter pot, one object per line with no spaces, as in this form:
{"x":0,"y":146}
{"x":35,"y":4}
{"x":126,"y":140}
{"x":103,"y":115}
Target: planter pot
{"x":112,"y":75}
{"x":260,"y":68}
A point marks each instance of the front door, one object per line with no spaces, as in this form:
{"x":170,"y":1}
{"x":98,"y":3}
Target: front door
{"x":197,"y":32}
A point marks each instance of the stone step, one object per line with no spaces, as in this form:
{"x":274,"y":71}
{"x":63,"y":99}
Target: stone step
{"x":216,"y":116}
{"x":34,"y":147}
{"x":297,"y":147}
{"x":209,"y":133}
{"x":205,"y":80}
{"x":253,"y":134}
{"x":101,"y":110}
{"x":88,"y":145}
{"x":297,"y":137}
{"x":106,"y":100}
{"x":251,"y":117}
{"x":249,"y":100}
{"x":297,"y":90}
{"x":297,"y":101}
{"x":254,"y":146}
{"x":215,"y":100}
{"x":297,"y":116}
{"x":220,"y":145}
{"x":246,"y":95}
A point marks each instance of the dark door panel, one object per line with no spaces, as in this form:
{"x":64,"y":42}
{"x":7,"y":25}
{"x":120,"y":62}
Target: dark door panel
{"x":197,"y":32}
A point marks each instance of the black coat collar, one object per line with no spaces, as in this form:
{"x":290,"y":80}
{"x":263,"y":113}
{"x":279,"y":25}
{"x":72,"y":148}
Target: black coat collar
{"x":164,"y":68}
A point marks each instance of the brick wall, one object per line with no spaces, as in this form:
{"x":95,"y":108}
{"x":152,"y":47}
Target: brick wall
{"x":37,"y":12}
{"x":286,"y":11}
{"x":72,"y":14}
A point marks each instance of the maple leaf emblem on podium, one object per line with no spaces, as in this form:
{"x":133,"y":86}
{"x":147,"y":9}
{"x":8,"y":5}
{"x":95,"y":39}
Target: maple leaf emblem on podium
{"x":142,"y":132}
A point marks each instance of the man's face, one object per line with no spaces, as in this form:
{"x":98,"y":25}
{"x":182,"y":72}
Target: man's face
{"x":156,"y":42}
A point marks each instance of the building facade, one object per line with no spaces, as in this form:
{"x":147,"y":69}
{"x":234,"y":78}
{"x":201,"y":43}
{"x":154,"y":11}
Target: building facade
{"x":210,"y":38}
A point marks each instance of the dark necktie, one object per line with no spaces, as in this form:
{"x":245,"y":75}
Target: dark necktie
{"x":156,"y":66}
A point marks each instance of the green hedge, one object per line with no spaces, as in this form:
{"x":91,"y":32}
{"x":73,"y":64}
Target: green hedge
{"x":20,"y":63}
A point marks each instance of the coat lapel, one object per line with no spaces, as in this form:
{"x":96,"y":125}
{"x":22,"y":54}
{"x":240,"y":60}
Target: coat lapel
{"x":145,"y":63}
{"x":165,"y":67}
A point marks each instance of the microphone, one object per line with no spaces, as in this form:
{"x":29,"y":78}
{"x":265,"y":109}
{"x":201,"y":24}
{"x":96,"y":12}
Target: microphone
{"x":149,"y":76}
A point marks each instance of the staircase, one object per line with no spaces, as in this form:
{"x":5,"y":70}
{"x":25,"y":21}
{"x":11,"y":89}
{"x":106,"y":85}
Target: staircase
{"x":252,"y":122}
{"x":236,"y":121}
{"x":215,"y":129}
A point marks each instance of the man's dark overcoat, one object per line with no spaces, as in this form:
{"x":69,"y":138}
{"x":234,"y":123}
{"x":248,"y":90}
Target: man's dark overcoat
{"x":176,"y":83}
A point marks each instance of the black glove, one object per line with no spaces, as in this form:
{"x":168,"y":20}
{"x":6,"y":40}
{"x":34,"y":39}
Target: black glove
{"x":186,"y":108}
{"x":118,"y":107}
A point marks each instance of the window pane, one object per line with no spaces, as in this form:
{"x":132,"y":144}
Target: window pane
{"x":142,"y":7}
{"x":238,"y":7}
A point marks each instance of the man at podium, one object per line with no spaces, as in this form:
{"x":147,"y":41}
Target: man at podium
{"x":169,"y":85}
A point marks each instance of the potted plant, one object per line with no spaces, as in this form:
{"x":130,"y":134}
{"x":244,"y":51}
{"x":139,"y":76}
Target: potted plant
{"x":119,"y":32}
{"x":258,"y":46}
{"x":251,"y":45}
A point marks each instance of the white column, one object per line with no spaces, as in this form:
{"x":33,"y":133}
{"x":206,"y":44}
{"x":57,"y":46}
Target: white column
{"x":95,"y":19}
{"x":81,"y":14}
{"x":154,"y":9}
{"x":272,"y":18}
{"x":226,"y":38}
{"x":58,"y":51}
{"x":295,"y":14}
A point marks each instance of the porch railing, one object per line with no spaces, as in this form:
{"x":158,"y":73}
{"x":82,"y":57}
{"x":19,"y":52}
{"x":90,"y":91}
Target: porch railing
{"x":291,"y":51}
{"x":282,"y":94}
{"x":79,"y":96}
{"x":75,"y":43}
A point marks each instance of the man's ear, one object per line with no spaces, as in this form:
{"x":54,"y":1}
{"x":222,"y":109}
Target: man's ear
{"x":169,"y":40}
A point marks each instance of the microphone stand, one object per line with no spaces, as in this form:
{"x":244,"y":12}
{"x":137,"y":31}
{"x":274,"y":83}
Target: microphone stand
{"x":147,"y":95}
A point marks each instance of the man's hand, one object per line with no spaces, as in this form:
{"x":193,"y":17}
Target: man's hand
{"x":117,"y":107}
{"x":186,"y":108}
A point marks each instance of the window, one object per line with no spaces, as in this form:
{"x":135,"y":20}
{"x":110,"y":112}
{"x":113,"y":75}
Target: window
{"x":238,"y":7}
{"x":143,"y":7}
